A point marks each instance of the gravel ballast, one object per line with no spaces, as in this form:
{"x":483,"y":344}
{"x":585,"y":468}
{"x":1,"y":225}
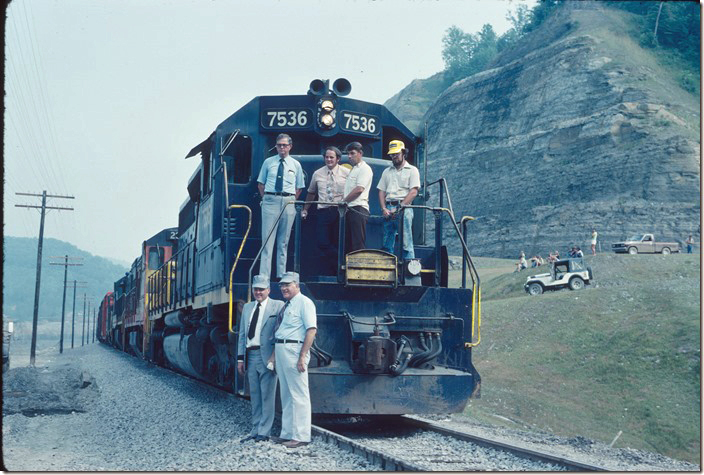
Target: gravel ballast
{"x":143,"y":418}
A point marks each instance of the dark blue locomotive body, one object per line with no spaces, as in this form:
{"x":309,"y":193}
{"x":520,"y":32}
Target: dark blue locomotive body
{"x":392,"y":337}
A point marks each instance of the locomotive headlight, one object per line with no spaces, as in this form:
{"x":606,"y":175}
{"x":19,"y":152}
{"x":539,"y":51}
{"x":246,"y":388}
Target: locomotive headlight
{"x":327,"y":120}
{"x":327,"y":105}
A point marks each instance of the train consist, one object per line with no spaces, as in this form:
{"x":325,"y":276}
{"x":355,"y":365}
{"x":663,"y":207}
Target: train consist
{"x":392,"y":337}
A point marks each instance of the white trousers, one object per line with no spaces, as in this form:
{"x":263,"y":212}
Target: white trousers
{"x":271,"y":207}
{"x":295,"y":397}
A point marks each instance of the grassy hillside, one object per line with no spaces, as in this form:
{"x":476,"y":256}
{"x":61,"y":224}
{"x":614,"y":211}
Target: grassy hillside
{"x":621,"y":355}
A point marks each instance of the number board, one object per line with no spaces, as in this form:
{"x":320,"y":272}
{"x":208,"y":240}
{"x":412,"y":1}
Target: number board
{"x":287,"y":118}
{"x":359,"y":123}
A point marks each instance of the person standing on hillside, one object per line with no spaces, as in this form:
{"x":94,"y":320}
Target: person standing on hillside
{"x":594,"y":234}
{"x":689,"y":242}
{"x":280,"y":180}
{"x":398,"y":186}
{"x":356,"y":193}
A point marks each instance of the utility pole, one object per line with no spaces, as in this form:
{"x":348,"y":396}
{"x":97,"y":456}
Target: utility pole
{"x":94,"y":329}
{"x":35,"y":316}
{"x":83,"y":334}
{"x":73,"y":314}
{"x":63,"y":305}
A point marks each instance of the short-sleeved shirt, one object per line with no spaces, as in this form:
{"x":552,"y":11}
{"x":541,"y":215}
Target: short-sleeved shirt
{"x":594,"y":235}
{"x":299,"y":316}
{"x":293,"y":174}
{"x":397,"y":183}
{"x":329,"y":184}
{"x":360,"y":175}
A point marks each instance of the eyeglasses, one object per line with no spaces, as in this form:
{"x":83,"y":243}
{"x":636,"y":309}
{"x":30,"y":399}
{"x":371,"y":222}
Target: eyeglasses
{"x":283,"y":144}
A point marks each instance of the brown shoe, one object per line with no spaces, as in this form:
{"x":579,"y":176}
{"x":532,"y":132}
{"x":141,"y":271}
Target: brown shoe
{"x":293,"y":444}
{"x":278,"y":440}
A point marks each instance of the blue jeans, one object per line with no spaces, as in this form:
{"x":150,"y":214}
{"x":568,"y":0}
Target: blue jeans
{"x":391,"y":228}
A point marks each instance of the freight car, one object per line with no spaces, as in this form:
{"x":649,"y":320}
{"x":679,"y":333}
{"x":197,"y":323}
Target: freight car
{"x":393,"y":337}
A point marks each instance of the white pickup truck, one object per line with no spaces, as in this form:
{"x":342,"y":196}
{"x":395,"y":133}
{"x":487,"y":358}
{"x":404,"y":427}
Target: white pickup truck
{"x":644,"y":244}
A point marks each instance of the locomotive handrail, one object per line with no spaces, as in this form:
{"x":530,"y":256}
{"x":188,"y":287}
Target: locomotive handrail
{"x":291,"y":202}
{"x":232,"y":272}
{"x":476,"y":288}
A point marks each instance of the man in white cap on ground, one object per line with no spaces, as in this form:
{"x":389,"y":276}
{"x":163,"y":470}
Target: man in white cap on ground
{"x":294,"y":335}
{"x":254,"y":348}
{"x":398,"y":186}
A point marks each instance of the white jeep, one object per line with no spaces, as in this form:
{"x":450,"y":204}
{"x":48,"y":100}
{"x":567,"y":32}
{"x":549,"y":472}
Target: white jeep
{"x":572,"y":273}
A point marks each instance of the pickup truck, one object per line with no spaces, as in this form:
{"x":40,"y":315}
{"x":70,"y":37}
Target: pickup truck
{"x":644,"y":244}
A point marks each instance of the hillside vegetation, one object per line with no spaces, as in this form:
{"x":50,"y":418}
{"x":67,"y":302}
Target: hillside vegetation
{"x":621,"y":355}
{"x":19,"y":278}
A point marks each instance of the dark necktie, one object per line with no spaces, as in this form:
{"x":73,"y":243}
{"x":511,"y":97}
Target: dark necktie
{"x":253,"y":323}
{"x":279,"y":186}
{"x":280,"y":316}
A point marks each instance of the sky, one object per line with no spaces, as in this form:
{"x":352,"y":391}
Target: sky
{"x":104,"y":98}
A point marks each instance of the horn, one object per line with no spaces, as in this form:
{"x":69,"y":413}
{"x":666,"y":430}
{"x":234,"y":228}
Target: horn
{"x":318,"y":87}
{"x":341,"y":87}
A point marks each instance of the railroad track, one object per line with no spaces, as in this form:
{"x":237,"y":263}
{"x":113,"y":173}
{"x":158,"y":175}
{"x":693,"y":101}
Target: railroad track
{"x":354,"y":436}
{"x":333,"y":430}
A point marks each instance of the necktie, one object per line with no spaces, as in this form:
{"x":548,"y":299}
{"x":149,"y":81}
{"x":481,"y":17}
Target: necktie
{"x":253,"y":323}
{"x":280,"y":316}
{"x":279,"y":186}
{"x":330,"y":186}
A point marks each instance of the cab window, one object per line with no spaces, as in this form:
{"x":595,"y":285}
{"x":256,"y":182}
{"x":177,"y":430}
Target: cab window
{"x":156,"y":257}
{"x":238,"y":157}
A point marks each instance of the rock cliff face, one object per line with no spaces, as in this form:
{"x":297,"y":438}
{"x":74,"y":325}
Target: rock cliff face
{"x":580,"y":129}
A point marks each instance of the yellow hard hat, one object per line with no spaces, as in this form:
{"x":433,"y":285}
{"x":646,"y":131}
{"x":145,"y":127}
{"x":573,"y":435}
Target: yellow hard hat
{"x":395,"y":146}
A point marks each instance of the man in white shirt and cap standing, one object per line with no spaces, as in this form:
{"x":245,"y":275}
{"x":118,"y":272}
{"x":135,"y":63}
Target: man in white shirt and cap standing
{"x":294,"y":335}
{"x":398,"y":187}
{"x":254,"y":348}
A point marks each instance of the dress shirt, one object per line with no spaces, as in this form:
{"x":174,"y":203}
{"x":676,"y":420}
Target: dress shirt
{"x":256,"y":341}
{"x":299,"y":316}
{"x":397,"y":183}
{"x":360,"y":175}
{"x":293,"y":174}
{"x":320,"y":180}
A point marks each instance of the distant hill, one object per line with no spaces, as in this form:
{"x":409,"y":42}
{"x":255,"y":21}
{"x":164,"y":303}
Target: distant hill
{"x":19,"y":277}
{"x":577,"y":127}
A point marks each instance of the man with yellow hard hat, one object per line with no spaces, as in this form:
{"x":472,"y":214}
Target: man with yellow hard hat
{"x":398,"y":187}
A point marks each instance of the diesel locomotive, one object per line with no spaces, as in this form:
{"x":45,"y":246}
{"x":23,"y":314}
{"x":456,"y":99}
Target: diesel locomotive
{"x":393,"y":337}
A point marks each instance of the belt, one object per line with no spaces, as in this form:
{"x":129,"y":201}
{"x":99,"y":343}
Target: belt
{"x":394,"y":203}
{"x":288,"y":341}
{"x":252,"y":348}
{"x":278,"y":193}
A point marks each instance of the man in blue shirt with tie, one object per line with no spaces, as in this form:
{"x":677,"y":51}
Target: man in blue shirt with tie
{"x":280,"y":181}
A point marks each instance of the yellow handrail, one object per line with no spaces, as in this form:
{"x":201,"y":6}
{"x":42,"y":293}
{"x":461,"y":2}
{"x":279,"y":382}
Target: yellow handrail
{"x":477,"y":292}
{"x":232,"y":272}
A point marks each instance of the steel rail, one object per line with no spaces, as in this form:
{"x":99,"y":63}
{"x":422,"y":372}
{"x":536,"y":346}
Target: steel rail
{"x":522,"y":452}
{"x":386,"y":462}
